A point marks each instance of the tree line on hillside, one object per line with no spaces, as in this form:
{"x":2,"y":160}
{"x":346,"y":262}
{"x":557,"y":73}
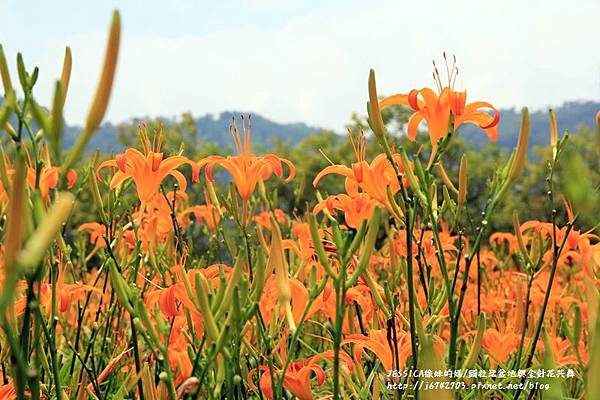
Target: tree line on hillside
{"x":315,"y":151}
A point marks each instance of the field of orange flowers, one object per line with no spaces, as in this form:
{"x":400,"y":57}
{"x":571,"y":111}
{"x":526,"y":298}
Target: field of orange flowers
{"x":393,"y":289}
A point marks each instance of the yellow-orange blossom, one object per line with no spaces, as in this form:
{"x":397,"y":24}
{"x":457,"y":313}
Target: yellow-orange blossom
{"x":436,"y":109}
{"x":246,"y":168}
{"x":147,"y":170}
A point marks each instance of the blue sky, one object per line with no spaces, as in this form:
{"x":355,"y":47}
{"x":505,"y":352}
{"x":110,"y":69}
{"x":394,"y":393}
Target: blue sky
{"x":306,"y":61}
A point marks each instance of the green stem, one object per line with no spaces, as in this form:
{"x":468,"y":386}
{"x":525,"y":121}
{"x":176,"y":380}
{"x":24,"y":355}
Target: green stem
{"x":411,"y":292}
{"x":53,"y":352}
{"x":340,"y":300}
{"x":524,"y":326}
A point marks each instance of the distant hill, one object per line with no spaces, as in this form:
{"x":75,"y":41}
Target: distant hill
{"x":214,"y":128}
{"x":569,"y":116}
{"x":211,"y":128}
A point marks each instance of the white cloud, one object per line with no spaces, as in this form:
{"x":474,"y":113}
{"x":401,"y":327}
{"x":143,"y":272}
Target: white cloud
{"x":314,"y":67}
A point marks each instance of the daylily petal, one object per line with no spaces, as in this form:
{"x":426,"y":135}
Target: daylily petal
{"x":413,"y":125}
{"x":397,"y":99}
{"x":333,"y":169}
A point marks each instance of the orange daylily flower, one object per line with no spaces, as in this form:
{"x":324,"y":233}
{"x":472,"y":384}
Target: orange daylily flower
{"x":575,"y":242}
{"x":246,"y":168}
{"x":96,"y":232}
{"x":269,"y":300}
{"x":560,"y":351}
{"x":501,"y":237}
{"x":169,"y":300}
{"x":437,"y":108}
{"x":428,"y":248}
{"x":264,"y":218}
{"x":205,"y":212}
{"x":360,"y":294}
{"x":500,"y":345}
{"x":8,"y":391}
{"x":297,"y":378}
{"x":155,"y":226}
{"x":179,"y":358}
{"x":356,"y":209}
{"x":373,"y":178}
{"x":302,"y":243}
{"x":147,"y":169}
{"x":377,"y":342}
{"x":48,"y":179}
{"x":67,"y":293}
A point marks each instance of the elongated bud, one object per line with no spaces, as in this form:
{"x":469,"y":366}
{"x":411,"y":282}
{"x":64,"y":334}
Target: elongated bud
{"x":146,"y":323}
{"x":367,"y":249}
{"x":261,"y":189}
{"x":238,"y":270}
{"x":434,"y":200}
{"x":104,"y":89}
{"x":22,"y":72}
{"x":536,"y":247}
{"x":207,"y":315}
{"x":357,"y":240}
{"x":277,"y":263}
{"x":319,"y":249}
{"x":412,"y":179}
{"x":548,"y":359}
{"x":149,"y":388}
{"x":15,"y":214}
{"x":33,"y":77}
{"x":11,"y":131}
{"x":373,"y":108}
{"x":4,"y":173}
{"x":554,"y":384}
{"x":57,"y":118}
{"x":419,"y":172}
{"x":217,"y":299}
{"x":210,"y":187}
{"x":520,"y":306}
{"x":396,"y":209}
{"x":42,"y":238}
{"x":577,"y":326}
{"x":38,"y":209}
{"x":5,"y":112}
{"x":593,"y":390}
{"x":445,"y":177}
{"x":65,"y":77}
{"x":234,"y":202}
{"x":517,"y":228}
{"x":15,"y":226}
{"x":462,"y":181}
{"x":598,"y":132}
{"x":100,"y":103}
{"x":6,"y":83}
{"x":96,"y":194}
{"x":220,"y":377}
{"x":553,"y":132}
{"x":448,"y":203}
{"x":521,"y":153}
{"x":408,"y":171}
{"x":233,"y":320}
{"x":474,"y":352}
{"x":119,"y":286}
